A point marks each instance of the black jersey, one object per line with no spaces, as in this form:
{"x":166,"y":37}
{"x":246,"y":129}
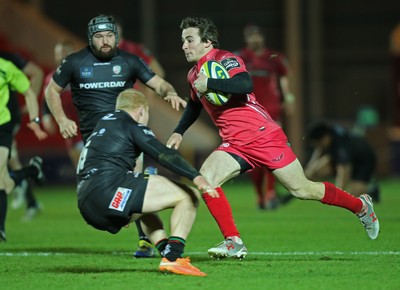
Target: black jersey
{"x":116,"y":143}
{"x":95,"y":84}
{"x":347,"y":148}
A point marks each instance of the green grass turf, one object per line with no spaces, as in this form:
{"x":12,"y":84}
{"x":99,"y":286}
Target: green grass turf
{"x":303,"y":245}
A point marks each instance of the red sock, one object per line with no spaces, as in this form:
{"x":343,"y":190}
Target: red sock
{"x":257,"y":177}
{"x":222,"y":213}
{"x":270,"y":193}
{"x":338,"y":197}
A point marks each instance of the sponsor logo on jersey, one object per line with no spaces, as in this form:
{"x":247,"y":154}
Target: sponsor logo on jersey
{"x":109,"y":116}
{"x":101,"y":63}
{"x":86,"y":72}
{"x":116,"y":69}
{"x":120,"y":198}
{"x":148,"y":132}
{"x":135,"y":174}
{"x":101,"y":132}
{"x":230,"y":63}
{"x":102,"y":85}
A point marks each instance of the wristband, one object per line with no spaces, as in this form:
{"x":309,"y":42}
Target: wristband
{"x":35,"y":120}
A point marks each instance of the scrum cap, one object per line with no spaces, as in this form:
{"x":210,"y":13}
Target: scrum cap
{"x":102,"y":23}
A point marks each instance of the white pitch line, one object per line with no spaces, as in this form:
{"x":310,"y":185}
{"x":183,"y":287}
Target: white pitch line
{"x":312,"y":253}
{"x":340,"y":253}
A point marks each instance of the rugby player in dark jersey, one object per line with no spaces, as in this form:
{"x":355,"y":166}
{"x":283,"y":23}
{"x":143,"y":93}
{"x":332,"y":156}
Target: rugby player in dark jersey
{"x":111,"y":195}
{"x":348,"y":157}
{"x":97,"y":74}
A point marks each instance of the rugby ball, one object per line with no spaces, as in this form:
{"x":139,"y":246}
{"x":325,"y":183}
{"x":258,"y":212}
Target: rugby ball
{"x":214,"y":70}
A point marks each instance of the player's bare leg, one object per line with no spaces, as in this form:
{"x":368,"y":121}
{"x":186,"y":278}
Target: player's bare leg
{"x":162,"y":193}
{"x":293,"y":178}
{"x":217,"y":169}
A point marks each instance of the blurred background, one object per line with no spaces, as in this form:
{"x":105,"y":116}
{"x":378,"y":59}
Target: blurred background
{"x":344,"y":59}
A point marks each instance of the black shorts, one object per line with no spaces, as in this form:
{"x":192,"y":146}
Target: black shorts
{"x":107,"y":200}
{"x":6,"y":135}
{"x":15,"y":111}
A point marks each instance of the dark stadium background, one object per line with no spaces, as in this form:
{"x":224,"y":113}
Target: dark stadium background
{"x":339,"y":52}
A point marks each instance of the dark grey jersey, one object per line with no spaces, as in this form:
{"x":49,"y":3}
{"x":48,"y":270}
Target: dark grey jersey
{"x":116,"y":143}
{"x":95,"y":84}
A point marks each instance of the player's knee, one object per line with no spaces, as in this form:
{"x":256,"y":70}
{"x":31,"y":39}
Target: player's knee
{"x":304,"y":191}
{"x":194,"y":197}
{"x":190,"y":196}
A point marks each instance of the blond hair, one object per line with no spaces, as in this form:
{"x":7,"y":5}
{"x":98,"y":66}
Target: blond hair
{"x":131,"y":99}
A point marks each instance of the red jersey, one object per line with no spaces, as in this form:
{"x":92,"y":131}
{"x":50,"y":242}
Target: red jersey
{"x":265,"y":71}
{"x":68,"y":106}
{"x":242,"y":119}
{"x":136,"y":49}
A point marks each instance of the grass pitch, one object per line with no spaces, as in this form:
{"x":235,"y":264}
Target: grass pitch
{"x":303,"y":245}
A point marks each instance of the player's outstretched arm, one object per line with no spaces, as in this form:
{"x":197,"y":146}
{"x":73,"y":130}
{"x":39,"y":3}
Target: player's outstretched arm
{"x":166,"y":91}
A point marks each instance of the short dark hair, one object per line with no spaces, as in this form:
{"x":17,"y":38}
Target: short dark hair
{"x":318,"y":129}
{"x":207,"y":29}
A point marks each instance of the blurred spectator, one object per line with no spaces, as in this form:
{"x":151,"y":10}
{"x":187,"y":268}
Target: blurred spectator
{"x":140,"y":50}
{"x":74,"y":145}
{"x":349,"y":158}
{"x":269,"y":70}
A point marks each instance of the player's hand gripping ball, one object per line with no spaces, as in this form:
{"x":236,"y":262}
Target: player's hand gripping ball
{"x":214,"y":70}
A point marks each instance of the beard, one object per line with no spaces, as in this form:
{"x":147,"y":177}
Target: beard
{"x":104,"y":55}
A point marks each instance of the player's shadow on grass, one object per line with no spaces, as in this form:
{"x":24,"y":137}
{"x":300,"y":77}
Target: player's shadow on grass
{"x":67,"y":250}
{"x":95,"y":270}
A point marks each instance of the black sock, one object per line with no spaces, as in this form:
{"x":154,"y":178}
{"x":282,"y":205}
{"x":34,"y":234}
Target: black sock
{"x":161,"y":244}
{"x":174,"y":248}
{"x":24,"y":173}
{"x":142,"y":235}
{"x":30,"y":197}
{"x":3,"y":209}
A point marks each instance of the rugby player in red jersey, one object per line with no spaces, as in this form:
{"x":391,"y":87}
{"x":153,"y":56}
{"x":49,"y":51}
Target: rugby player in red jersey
{"x":250,"y":138}
{"x":74,"y":145}
{"x":269,"y":71}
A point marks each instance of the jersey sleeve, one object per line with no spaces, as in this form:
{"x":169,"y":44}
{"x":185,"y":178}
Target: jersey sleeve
{"x":232,"y":63}
{"x":282,"y":64}
{"x":167,"y":157}
{"x":17,"y":80}
{"x":63,"y":74}
{"x":189,"y":116}
{"x":142,"y":70}
{"x":145,"y":53}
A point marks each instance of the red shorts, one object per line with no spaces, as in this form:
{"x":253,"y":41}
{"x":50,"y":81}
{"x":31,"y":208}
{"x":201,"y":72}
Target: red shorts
{"x":270,"y":150}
